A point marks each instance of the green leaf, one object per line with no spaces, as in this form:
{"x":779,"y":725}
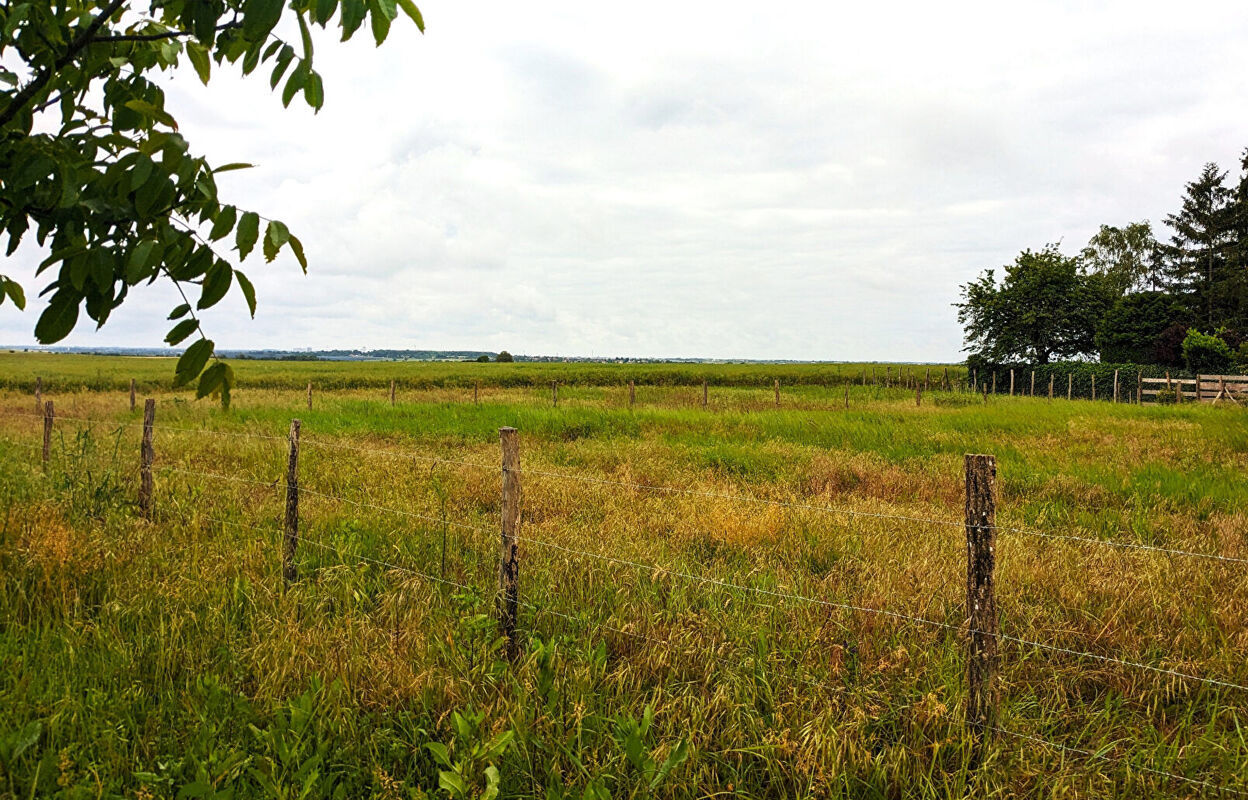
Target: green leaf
{"x":260,"y":17}
{"x":389,"y":8}
{"x":192,"y":362}
{"x":325,"y":10}
{"x":412,"y":11}
{"x":59,"y":318}
{"x":351,"y":17}
{"x":152,"y":112}
{"x":199,"y":59}
{"x":379,"y":20}
{"x":232,"y":167}
{"x":141,"y":171}
{"x":314,"y":91}
{"x":248,"y":233}
{"x":294,"y":83}
{"x":674,"y":759}
{"x":140,"y":263}
{"x":296,"y":247}
{"x":182,"y":330}
{"x":216,"y":284}
{"x":279,"y":69}
{"x":452,"y":784}
{"x":180,"y":311}
{"x":275,"y":236}
{"x":249,"y":291}
{"x":224,"y":223}
{"x":212,"y":380}
{"x":440,"y":753}
{"x":13,"y":290}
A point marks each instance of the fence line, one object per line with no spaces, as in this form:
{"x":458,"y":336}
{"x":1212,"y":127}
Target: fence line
{"x":1168,"y":551}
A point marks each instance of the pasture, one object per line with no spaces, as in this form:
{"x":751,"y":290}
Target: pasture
{"x":732,"y":600}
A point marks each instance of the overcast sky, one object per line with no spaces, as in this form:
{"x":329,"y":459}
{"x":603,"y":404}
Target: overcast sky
{"x":780,"y":180}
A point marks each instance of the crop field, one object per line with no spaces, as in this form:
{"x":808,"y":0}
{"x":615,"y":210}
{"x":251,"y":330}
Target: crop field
{"x":736,"y":600}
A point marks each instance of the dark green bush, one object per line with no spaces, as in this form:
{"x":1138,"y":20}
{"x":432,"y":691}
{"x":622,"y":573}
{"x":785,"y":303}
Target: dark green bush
{"x":1205,"y":352}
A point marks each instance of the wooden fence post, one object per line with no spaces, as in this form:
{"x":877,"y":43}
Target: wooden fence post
{"x":1011,"y":381}
{"x":290,"y":536}
{"x":1033,"y":383}
{"x":508,"y":555}
{"x":632,"y":393}
{"x":1139,"y":387}
{"x":146,"y":455}
{"x":1093,"y":385}
{"x":1070,"y":383}
{"x":918,"y":394}
{"x":1050,"y":385}
{"x":49,"y":414}
{"x":554,"y":393}
{"x":309,"y":395}
{"x":946,"y":379}
{"x":39,"y":395}
{"x":981,"y":605}
{"x":1115,"y":386}
{"x":392,"y":392}
{"x":132,"y":394}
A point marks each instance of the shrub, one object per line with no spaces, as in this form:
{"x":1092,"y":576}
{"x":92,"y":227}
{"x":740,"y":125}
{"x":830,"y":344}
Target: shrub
{"x":483,"y":359}
{"x":1129,"y":329}
{"x":504,"y":357}
{"x":1241,"y":357}
{"x":1205,"y":352}
{"x":1168,"y":347}
{"x":1167,"y":397}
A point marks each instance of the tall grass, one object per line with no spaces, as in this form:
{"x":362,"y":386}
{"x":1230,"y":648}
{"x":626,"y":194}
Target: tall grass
{"x":166,"y":658}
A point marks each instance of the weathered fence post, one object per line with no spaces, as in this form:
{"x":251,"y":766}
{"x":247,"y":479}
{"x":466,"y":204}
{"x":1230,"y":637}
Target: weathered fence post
{"x":918,"y":394}
{"x":508,"y":555}
{"x":1011,"y":381}
{"x":49,"y":414}
{"x":777,"y":392}
{"x":1050,"y":385}
{"x":309,"y":395}
{"x":146,"y":455}
{"x":632,"y":393}
{"x":947,"y":387}
{"x":290,"y":535}
{"x":554,"y":393}
{"x":132,"y":394}
{"x":39,"y":395}
{"x":1139,"y":388}
{"x":1115,"y":386}
{"x":981,"y":605}
{"x":1070,"y":384}
{"x":1093,"y":385}
{"x":392,"y":392}
{"x":1033,"y":383}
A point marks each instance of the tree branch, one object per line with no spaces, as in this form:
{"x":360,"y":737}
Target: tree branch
{"x":28,"y":92}
{"x":156,"y":37}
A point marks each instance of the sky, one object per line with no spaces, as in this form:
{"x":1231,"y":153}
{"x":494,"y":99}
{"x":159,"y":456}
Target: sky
{"x":759,"y":181}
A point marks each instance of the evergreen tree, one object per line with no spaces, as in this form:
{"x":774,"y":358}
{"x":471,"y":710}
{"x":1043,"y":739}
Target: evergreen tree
{"x":1196,"y":260}
{"x":1233,"y":292}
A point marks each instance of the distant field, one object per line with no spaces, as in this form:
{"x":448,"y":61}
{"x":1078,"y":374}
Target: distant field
{"x":69,"y":372}
{"x":722,"y":567}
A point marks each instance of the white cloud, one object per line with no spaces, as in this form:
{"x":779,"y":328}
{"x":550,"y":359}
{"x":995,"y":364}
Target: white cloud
{"x":788,"y":181}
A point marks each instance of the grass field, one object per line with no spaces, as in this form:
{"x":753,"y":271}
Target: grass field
{"x":668,"y":649}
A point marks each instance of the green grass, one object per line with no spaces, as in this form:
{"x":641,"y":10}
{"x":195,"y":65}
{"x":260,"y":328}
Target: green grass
{"x":166,"y":658}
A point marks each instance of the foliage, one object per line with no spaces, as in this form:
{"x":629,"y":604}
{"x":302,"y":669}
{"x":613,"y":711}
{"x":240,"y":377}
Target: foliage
{"x":482,"y":359}
{"x":1206,"y":353}
{"x":504,"y":357}
{"x":1127,"y":257}
{"x":93,"y":162}
{"x":1045,"y":306}
{"x":1168,"y":346}
{"x":1196,"y":257}
{"x":1129,"y":329}
{"x":1241,"y":356}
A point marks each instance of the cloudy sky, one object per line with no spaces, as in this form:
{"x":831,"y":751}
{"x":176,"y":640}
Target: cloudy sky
{"x":779,"y":180}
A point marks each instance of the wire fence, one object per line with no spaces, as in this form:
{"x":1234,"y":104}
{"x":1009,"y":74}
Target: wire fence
{"x":279,"y":484}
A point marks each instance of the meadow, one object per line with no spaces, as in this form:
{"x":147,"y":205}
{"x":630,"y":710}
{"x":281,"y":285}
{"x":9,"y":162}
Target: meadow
{"x":737,"y":600}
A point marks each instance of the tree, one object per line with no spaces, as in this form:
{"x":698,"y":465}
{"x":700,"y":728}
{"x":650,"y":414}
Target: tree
{"x":1129,"y":329}
{"x":1234,"y":291}
{"x":1196,"y":257}
{"x":1205,"y":352}
{"x":1046,"y":306}
{"x":93,"y":162}
{"x":504,"y":356}
{"x":1126,"y":256}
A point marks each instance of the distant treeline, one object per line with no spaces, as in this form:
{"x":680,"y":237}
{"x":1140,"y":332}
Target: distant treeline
{"x":1127,"y":296}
